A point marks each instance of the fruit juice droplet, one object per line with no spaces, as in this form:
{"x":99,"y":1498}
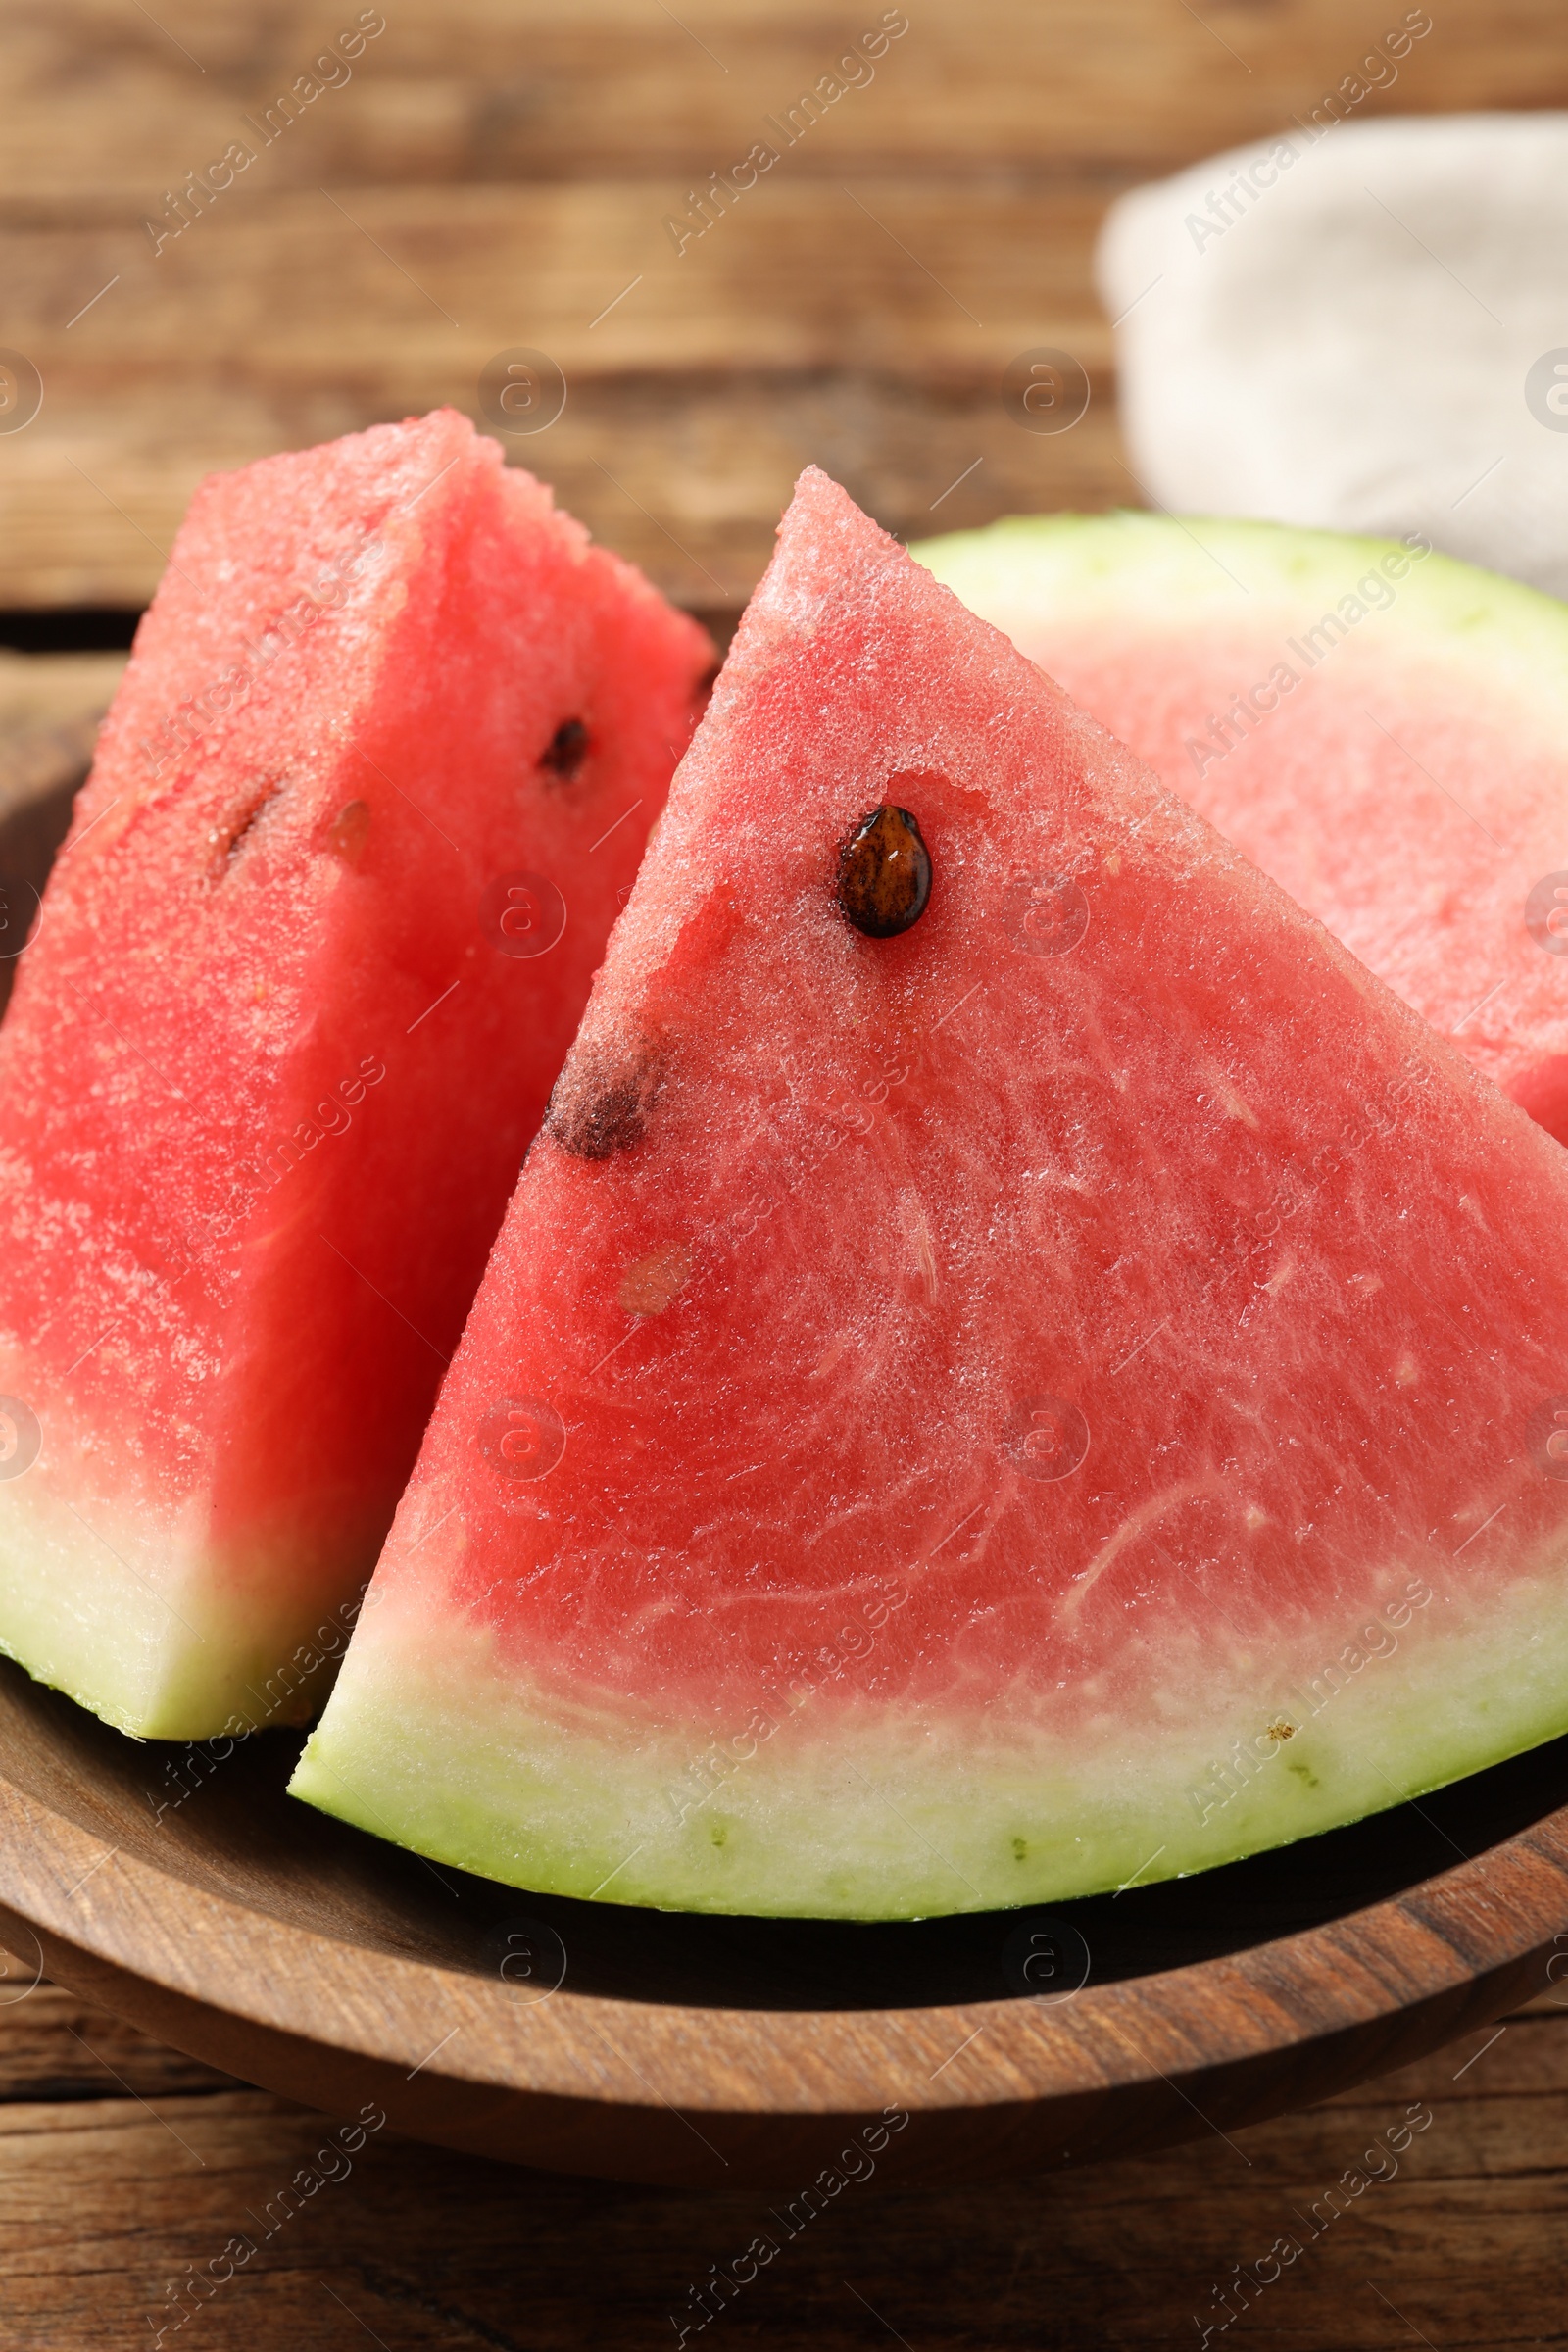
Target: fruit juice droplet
{"x":566,"y":751}
{"x":884,"y":873}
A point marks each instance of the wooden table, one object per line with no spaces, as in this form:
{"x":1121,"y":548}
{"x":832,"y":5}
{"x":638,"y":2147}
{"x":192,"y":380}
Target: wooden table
{"x":484,"y":175}
{"x":122,"y":2164}
{"x":498,"y":174}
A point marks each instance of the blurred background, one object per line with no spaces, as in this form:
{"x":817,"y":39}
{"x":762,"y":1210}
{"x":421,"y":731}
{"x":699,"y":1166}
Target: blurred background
{"x":479,"y":178}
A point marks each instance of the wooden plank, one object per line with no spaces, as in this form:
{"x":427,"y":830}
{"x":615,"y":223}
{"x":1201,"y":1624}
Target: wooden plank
{"x":800,"y":274}
{"x":476,"y":92}
{"x":687,"y":478}
{"x":56,"y":2047}
{"x":921,"y":234}
{"x":116,"y":2206}
{"x":690,"y":408}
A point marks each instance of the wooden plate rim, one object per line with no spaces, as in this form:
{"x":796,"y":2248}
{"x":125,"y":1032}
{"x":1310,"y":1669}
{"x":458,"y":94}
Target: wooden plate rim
{"x":1494,"y":1917}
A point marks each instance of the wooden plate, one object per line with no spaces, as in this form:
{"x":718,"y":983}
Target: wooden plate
{"x":181,"y":1887}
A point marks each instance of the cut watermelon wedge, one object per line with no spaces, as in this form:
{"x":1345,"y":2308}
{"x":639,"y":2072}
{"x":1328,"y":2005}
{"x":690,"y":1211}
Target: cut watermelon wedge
{"x":1381,"y":730}
{"x":1046,"y":1397}
{"x":381,"y":767}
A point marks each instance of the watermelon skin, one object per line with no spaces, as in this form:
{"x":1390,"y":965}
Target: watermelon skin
{"x":1049,"y":1398}
{"x":1401,"y":768}
{"x":267,"y":1076}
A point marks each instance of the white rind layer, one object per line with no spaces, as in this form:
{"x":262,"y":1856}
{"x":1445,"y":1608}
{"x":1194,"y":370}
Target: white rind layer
{"x":164,"y":1642}
{"x":849,"y":1809}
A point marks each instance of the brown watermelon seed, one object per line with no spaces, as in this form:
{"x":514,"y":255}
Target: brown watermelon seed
{"x":566,"y":750}
{"x":884,"y":873}
{"x":349,"y":831}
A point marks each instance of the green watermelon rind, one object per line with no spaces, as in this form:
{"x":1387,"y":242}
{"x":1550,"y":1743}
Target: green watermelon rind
{"x":597,"y":1805}
{"x":1171,"y":571}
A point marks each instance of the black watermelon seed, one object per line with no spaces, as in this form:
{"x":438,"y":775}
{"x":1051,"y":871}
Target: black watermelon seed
{"x":566,"y":750}
{"x":884,"y":873}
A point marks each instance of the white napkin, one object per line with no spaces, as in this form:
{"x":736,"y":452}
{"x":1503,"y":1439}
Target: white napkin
{"x":1363,"y":327}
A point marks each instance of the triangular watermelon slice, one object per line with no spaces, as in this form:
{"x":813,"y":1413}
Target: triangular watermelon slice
{"x":380,"y":769}
{"x":1056,"y":1393}
{"x":1381,"y":730}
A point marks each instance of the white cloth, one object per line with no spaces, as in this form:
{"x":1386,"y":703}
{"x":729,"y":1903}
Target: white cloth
{"x":1358,"y":328}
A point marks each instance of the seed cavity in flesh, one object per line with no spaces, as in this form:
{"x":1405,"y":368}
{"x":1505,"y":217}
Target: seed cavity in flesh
{"x":648,"y":1287}
{"x":599,"y":1109}
{"x":350,"y":829}
{"x":884,"y":878}
{"x":566,"y":751}
{"x":227,"y":840}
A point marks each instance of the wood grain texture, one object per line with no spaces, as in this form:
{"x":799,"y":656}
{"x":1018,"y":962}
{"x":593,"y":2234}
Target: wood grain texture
{"x":690,"y":409}
{"x":606,"y":90}
{"x":55,"y":2046}
{"x":494,"y":176}
{"x":117,"y":2201}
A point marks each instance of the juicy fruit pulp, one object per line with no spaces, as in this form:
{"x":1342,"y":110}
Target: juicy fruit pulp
{"x":305,"y":969}
{"x":1383,"y":730}
{"x":979,"y":1415}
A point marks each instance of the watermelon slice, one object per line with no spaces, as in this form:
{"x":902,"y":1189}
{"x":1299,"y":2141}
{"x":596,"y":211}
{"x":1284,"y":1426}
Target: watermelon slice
{"x":383,"y":760}
{"x":969,"y":1406}
{"x":1381,"y":730}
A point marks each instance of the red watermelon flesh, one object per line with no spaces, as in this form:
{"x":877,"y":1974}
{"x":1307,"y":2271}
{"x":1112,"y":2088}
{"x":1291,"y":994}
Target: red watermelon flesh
{"x":977,"y":1415}
{"x":1381,"y":730}
{"x":279,"y":1045}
